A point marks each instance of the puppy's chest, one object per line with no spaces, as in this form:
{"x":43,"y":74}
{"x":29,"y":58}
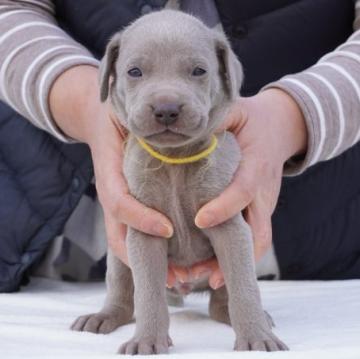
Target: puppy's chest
{"x":178,"y":194}
{"x":179,"y":191}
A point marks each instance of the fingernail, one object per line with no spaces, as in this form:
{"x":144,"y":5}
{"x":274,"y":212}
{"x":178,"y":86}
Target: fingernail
{"x":219,"y":283}
{"x":181,"y":280}
{"x":181,"y":276}
{"x":207,"y":219}
{"x":163,"y":230}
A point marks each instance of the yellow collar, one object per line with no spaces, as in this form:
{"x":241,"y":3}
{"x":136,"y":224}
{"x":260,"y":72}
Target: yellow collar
{"x":180,"y":161}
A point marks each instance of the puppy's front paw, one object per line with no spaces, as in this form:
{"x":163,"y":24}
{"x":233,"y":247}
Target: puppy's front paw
{"x":102,"y":322}
{"x":146,"y":346}
{"x":258,"y":339}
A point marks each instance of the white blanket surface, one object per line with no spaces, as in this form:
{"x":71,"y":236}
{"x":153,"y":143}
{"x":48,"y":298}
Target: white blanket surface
{"x":319,"y":320}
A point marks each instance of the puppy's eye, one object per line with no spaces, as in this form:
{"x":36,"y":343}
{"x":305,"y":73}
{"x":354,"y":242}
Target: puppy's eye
{"x":198,"y":71}
{"x":135,"y":72}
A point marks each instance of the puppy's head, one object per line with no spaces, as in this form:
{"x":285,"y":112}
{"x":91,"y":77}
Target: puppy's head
{"x":170,"y":78}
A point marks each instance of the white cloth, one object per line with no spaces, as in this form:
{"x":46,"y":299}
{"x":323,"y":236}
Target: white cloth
{"x":317,"y":320}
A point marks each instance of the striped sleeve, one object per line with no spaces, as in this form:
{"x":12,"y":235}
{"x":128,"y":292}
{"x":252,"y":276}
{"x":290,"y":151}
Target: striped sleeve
{"x":34,"y":51}
{"x":328,"y":94}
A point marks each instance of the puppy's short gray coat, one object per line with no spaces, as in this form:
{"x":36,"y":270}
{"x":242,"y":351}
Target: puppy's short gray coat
{"x":154,"y":63}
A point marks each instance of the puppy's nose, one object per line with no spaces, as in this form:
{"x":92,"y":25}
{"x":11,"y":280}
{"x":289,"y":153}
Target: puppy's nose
{"x":166,"y":113}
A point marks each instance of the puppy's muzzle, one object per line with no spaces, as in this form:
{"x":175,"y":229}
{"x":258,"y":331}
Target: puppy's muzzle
{"x":166,"y":113}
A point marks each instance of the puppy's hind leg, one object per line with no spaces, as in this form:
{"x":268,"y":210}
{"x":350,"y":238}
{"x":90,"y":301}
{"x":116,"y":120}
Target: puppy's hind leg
{"x":119,"y":304}
{"x":218,"y":305}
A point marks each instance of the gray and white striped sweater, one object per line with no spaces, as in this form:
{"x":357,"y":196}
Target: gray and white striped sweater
{"x":34,"y":51}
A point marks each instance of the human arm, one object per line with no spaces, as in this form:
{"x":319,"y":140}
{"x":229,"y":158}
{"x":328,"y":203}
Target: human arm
{"x":328,"y":95}
{"x":34,"y":51}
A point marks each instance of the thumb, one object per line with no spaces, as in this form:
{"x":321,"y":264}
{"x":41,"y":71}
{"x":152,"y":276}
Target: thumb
{"x":233,"y":199}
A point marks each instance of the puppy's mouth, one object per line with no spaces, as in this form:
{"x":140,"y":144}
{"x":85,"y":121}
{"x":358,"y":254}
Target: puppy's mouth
{"x":167,"y":137}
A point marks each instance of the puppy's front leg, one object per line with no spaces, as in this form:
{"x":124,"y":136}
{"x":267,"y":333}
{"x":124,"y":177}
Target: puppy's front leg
{"x":232,"y":242}
{"x":148,"y":262}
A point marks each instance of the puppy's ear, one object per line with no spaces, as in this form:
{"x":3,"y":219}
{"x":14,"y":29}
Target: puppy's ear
{"x":230,"y":69}
{"x":107,"y":65}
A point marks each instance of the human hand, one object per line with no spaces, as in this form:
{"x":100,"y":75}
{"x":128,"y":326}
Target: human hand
{"x":270,"y":129}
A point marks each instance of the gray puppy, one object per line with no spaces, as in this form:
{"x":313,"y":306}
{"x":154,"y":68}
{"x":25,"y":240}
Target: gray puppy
{"x":173,"y":80}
